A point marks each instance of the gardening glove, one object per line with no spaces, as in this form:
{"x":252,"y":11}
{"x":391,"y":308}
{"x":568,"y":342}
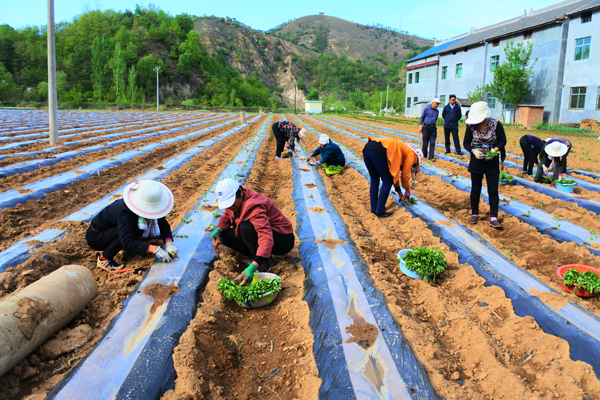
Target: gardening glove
{"x":171,"y":249}
{"x":245,"y":278}
{"x":480,"y":155}
{"x":309,"y":157}
{"x":313,"y":163}
{"x":551,"y":168}
{"x":407,"y":194}
{"x":294,"y":154}
{"x":216,"y":236}
{"x":162,"y":255}
{"x":501,"y":165}
{"x":545,"y":169}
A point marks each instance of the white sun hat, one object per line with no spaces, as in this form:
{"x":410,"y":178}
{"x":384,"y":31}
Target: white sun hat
{"x":148,"y":199}
{"x":556,"y":149}
{"x":226,"y":190}
{"x":436,"y":100}
{"x":302,"y":133}
{"x":323,"y":139}
{"x":478,"y":112}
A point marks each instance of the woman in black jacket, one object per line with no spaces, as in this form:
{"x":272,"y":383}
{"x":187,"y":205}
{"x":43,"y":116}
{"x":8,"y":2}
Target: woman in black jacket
{"x":484,"y":134}
{"x":140,"y":213}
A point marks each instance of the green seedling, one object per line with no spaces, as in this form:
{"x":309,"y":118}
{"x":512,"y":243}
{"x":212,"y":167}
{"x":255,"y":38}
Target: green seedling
{"x":181,"y":236}
{"x":527,"y":214}
{"x":216,"y":214}
{"x":564,"y":182}
{"x":589,"y":280}
{"x":504,"y":175}
{"x":491,"y":154}
{"x":186,"y":220}
{"x":252,"y":292}
{"x":425,"y":262}
{"x":412,"y":201}
{"x":555,"y":217}
{"x":540,"y":205}
{"x":556,"y":226}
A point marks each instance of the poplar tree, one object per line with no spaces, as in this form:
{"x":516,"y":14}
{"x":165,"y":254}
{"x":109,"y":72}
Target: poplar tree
{"x":100,"y":66}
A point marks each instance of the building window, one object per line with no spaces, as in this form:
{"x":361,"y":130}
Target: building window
{"x":444,"y":72}
{"x":582,"y":48}
{"x":408,"y":102}
{"x":491,"y":101}
{"x":443,"y":99}
{"x":495,"y":61}
{"x":598,"y":99}
{"x":496,"y":43}
{"x":586,"y":17}
{"x":458,"y":70}
{"x":415,"y":99}
{"x":527,"y":35}
{"x":577,"y":97}
{"x":409,"y":79}
{"x":416,"y":77}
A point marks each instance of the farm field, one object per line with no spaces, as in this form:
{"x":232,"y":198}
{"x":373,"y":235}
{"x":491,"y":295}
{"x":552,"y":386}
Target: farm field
{"x":497,"y":324}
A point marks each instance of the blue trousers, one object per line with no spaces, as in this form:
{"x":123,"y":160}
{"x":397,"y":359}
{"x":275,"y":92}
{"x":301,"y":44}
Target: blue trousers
{"x":429,"y":136}
{"x":378,"y":170}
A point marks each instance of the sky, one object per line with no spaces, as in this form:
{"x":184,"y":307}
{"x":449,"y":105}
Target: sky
{"x":430,"y":19}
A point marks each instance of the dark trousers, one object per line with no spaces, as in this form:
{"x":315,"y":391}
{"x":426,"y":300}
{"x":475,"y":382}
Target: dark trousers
{"x":334,"y":161}
{"x":429,"y":136}
{"x":492,"y":187}
{"x":378,"y":169}
{"x":529,"y":155}
{"x":106,"y":241}
{"x":248,"y":243}
{"x":280,"y":139}
{"x":454,"y":132}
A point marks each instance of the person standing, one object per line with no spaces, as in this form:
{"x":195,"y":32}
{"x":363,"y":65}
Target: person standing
{"x":252,"y":225}
{"x":286,"y":133}
{"x":331,"y":154}
{"x":531,"y":146}
{"x":484,"y":134}
{"x":392,"y":162}
{"x":427,"y":127}
{"x":452,"y":114}
{"x":140,"y":213}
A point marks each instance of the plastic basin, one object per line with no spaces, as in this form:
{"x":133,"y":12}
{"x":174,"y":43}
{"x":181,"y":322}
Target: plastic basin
{"x":333,"y":171}
{"x":503,"y":182}
{"x":581,"y":268}
{"x":567,"y":187}
{"x":267,"y":298}
{"x":406,"y":271}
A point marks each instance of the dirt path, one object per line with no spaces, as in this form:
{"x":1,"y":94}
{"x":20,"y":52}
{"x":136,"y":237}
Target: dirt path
{"x":465,"y":334}
{"x":230,"y":352}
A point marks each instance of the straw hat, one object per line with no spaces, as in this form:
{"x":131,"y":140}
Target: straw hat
{"x":148,"y":199}
{"x":324,"y":139}
{"x":556,"y":149}
{"x":226,"y":190}
{"x":478,"y":112}
{"x":302,"y":133}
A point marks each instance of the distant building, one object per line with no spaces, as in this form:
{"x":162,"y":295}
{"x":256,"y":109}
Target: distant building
{"x":313,"y":107}
{"x":566,"y":76}
{"x":321,"y":13}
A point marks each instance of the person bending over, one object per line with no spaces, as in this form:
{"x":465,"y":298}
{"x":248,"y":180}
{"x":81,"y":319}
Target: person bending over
{"x":553,"y":154}
{"x":484,"y":134}
{"x":531,"y":146}
{"x":331,"y":154}
{"x":286,"y":133}
{"x":390,"y":161}
{"x":252,"y":225}
{"x":139,"y":214}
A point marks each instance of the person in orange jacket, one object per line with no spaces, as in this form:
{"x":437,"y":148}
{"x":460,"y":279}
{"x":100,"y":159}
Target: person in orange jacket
{"x":392,"y":162}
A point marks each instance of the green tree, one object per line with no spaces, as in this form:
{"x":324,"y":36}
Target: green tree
{"x":313,"y":94}
{"x":132,"y":88}
{"x":478,"y":94}
{"x":42,"y":91}
{"x":62,"y":85}
{"x":6,"y":83}
{"x":185,"y":24}
{"x":357,"y":99}
{"x":301,"y":85}
{"x":511,"y":78}
{"x":119,"y":67}
{"x":100,"y":66}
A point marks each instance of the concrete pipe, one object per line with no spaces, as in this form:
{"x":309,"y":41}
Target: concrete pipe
{"x":31,"y":315}
{"x":243,"y":117}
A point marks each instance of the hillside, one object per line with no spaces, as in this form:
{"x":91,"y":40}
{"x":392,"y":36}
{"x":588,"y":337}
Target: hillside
{"x":323,"y":33}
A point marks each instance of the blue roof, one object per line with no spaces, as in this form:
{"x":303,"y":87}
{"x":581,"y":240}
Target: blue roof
{"x":434,"y":50}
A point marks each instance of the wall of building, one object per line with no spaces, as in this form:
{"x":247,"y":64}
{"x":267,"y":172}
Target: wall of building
{"x":582,"y":73}
{"x":425,"y":90}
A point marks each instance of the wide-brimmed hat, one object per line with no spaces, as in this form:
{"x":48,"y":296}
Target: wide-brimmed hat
{"x":226,"y":190}
{"x":302,"y":133}
{"x":324,"y":139}
{"x":556,"y":149}
{"x":478,"y":112}
{"x":148,"y":199}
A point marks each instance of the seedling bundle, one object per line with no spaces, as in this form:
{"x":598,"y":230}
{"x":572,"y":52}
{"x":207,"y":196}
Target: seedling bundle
{"x":426,"y":262}
{"x":588,"y":280}
{"x":333,"y":169}
{"x":491,"y":154}
{"x":505,"y":178}
{"x":251,"y":293}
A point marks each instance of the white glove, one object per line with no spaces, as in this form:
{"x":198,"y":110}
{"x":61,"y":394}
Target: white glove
{"x":478,"y":154}
{"x":171,"y":249}
{"x":545,"y":169}
{"x":162,"y":255}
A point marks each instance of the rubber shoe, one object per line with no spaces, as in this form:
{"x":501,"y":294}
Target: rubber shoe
{"x":385,"y":214}
{"x":474,"y":219}
{"x":108,"y":265}
{"x":278,"y":158}
{"x":495,"y":224}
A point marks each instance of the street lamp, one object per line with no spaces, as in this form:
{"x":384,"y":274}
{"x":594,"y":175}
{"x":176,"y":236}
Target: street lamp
{"x":157,"y":71}
{"x":380,"y":100}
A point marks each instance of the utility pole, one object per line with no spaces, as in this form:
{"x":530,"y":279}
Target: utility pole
{"x":52,"y":111}
{"x":118,"y":105}
{"x":295,"y":87}
{"x":380,"y":97}
{"x":387,"y":94}
{"x":157,"y":71}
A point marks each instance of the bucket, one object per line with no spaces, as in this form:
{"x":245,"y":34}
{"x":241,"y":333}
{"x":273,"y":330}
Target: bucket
{"x":503,"y":182}
{"x":406,"y":271}
{"x":581,"y":268}
{"x":567,"y":187}
{"x":333,"y":171}
{"x":267,"y":298}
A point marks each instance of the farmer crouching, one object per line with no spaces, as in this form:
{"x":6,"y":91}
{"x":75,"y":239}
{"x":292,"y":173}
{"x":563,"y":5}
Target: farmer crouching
{"x":331,"y":154}
{"x":553,"y":156}
{"x":252,"y":225}
{"x":140,"y":213}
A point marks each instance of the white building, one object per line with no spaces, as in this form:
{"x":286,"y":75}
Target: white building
{"x":313,"y":107}
{"x":566,"y":76}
